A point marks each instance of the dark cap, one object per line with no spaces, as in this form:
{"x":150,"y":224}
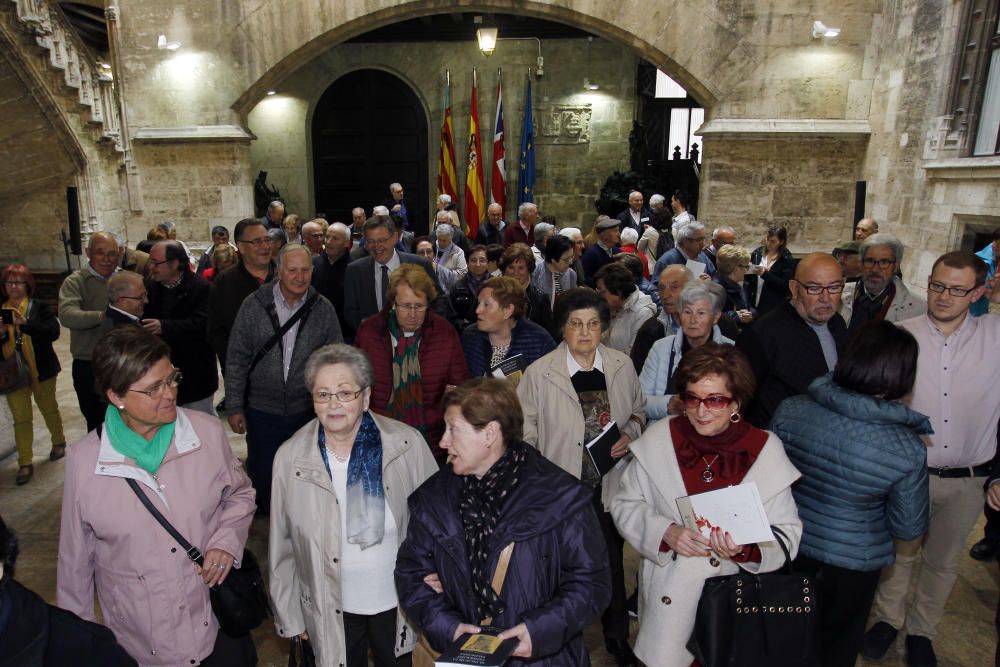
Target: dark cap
{"x":848,"y":248}
{"x":607,"y":223}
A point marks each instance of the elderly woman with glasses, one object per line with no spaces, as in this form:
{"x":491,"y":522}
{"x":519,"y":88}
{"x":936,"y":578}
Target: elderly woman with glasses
{"x":699,"y":314}
{"x":30,"y":332}
{"x":339,"y":497}
{"x":414,"y":353}
{"x":732,"y":263}
{"x":152,"y":596}
{"x":707,"y":447}
{"x":569,"y":396}
{"x":463,"y":294}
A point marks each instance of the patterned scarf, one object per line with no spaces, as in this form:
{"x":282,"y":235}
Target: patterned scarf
{"x":365,"y":495}
{"x":480,"y":504}
{"x":407,"y":400}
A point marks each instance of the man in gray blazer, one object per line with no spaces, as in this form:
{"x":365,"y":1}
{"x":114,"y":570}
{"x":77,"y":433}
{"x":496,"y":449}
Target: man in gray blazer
{"x":366,"y":280}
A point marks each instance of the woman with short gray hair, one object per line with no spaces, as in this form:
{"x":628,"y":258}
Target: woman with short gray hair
{"x":447,"y":253}
{"x":699,"y":312}
{"x":338,"y":496}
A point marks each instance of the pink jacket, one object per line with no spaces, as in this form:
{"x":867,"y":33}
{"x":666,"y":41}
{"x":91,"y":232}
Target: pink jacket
{"x":150,"y":594}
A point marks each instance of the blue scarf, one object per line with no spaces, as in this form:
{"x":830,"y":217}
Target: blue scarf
{"x":365,"y":495}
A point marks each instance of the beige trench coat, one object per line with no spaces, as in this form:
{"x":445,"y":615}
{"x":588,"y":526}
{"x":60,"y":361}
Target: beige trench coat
{"x":304,"y":543}
{"x":553,"y":418}
{"x":669,"y":588}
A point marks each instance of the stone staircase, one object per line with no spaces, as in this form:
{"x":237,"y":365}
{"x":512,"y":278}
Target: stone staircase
{"x":67,"y":67}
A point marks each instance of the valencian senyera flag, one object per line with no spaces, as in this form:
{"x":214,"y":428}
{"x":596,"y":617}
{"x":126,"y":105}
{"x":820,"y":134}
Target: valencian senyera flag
{"x":475,"y":192}
{"x":447,"y":183}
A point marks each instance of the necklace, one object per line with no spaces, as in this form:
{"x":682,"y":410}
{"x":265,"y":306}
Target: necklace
{"x":344,"y":459}
{"x":707,"y":475}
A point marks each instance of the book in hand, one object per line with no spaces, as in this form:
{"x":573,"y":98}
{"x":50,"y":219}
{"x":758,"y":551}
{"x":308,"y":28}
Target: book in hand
{"x":736,"y":509}
{"x":600,"y":448}
{"x":510,"y":369}
{"x":484,"y":649}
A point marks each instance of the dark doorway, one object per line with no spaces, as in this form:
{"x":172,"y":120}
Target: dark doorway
{"x":369,"y":130}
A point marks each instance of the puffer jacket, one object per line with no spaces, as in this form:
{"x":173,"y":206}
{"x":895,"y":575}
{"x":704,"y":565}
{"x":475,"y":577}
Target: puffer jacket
{"x":864,"y":473}
{"x":526,"y":338}
{"x":558,"y":580}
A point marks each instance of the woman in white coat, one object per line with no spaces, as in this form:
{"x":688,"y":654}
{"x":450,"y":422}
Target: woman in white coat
{"x":338,"y":515}
{"x":708,"y":447}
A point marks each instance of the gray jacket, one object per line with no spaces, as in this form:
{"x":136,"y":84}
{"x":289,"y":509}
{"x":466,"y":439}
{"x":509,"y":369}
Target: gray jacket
{"x":256,"y":322}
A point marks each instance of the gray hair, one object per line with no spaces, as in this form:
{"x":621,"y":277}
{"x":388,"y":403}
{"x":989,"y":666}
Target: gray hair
{"x":444,"y":198}
{"x":704,"y":290}
{"x":444,"y":229}
{"x":524,"y":207}
{"x":882,"y":238}
{"x":656,"y":201}
{"x":723,"y":228}
{"x":380,"y":210}
{"x":275,"y":205}
{"x":442,"y":217}
{"x":686,"y":232}
{"x":339,"y":353}
{"x":395,"y":186}
{"x":292,"y":247}
{"x":629,"y":236}
{"x":571,"y":233}
{"x":542,"y":229}
{"x":119,"y":283}
{"x":339,"y":227}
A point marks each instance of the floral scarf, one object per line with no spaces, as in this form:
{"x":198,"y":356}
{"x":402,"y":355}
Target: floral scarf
{"x":406,"y":403}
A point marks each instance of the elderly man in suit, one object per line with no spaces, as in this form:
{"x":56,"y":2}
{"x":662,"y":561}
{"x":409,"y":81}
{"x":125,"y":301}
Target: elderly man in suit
{"x":366,"y":280}
{"x":637,"y":215}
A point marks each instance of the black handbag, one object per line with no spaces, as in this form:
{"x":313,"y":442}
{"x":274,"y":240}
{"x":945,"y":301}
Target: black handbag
{"x":301,"y":653}
{"x":14,"y":371}
{"x":757,"y":619}
{"x":240,"y":602}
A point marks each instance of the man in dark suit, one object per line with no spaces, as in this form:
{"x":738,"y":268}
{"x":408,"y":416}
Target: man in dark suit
{"x":366,"y":280}
{"x":637,"y":215}
{"x":599,"y":254}
{"x":329,"y":268}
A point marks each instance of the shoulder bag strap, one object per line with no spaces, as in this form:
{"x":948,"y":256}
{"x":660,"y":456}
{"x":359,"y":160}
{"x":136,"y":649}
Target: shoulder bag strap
{"x":301,"y":314}
{"x":191,"y":550}
{"x":500,"y":575}
{"x":780,"y":537}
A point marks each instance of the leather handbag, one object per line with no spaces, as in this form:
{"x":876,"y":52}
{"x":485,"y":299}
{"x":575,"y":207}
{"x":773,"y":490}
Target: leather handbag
{"x":757,"y":619}
{"x":14,"y":371}
{"x":240,"y":602}
{"x":424,"y":654}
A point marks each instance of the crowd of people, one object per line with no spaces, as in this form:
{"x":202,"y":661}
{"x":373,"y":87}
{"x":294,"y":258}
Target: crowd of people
{"x":417,"y":412}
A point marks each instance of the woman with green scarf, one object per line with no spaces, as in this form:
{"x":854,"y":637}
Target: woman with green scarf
{"x":415,"y":353}
{"x":152,"y":596}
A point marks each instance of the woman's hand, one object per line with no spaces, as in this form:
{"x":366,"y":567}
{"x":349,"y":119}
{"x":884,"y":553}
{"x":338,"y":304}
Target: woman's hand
{"x":722,"y":543}
{"x":520,"y":631}
{"x":304,"y":636}
{"x":620,"y":448}
{"x":434,"y":583}
{"x":686,"y":542}
{"x":215,"y":567}
{"x":18,"y":317}
{"x":463,"y":628}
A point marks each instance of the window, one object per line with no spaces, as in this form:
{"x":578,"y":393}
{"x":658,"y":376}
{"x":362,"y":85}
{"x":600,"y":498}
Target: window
{"x":988,"y":132}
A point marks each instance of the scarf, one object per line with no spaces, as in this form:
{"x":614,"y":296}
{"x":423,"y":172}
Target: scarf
{"x":731,"y":445}
{"x":480,"y":504}
{"x":365,"y":495}
{"x":407,"y":400}
{"x":148,"y":455}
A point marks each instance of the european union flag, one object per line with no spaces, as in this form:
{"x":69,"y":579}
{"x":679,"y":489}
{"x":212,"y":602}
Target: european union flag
{"x":526,"y":170}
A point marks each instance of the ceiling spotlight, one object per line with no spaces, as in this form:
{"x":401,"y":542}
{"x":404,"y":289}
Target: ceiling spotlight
{"x":162,"y":43}
{"x":487,"y":38}
{"x":820,"y":29}
{"x":271,"y":92}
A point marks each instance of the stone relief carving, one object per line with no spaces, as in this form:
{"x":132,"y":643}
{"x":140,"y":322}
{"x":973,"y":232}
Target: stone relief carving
{"x":565,"y":124}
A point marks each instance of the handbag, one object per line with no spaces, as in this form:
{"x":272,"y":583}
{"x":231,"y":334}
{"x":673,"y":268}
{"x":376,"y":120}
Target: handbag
{"x":757,"y":619}
{"x":240,"y":602}
{"x":14,"y":371}
{"x":301,"y":653}
{"x":424,"y":654}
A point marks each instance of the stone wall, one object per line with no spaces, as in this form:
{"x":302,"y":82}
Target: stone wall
{"x":572,"y":162}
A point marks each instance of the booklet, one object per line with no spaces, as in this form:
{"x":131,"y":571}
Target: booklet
{"x":510,"y":369}
{"x":600,"y":448}
{"x":697,"y":268}
{"x":484,"y":649}
{"x":737,"y":509}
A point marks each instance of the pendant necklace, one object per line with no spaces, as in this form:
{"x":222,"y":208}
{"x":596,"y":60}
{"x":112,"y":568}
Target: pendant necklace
{"x":707,"y":475}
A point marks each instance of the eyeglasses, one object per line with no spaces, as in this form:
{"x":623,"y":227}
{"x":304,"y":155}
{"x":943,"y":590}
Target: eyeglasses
{"x":257,"y":243}
{"x":714,"y":403}
{"x":159,"y":388}
{"x":344,"y":396}
{"x":954,"y":291}
{"x":142,"y":297}
{"x":374,"y":241}
{"x":578,"y":326}
{"x":411,"y":307}
{"x":15,"y":283}
{"x":478,"y":260}
{"x":883,"y":263}
{"x":835,"y":288}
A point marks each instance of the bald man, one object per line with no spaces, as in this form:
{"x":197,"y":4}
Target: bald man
{"x":83,"y":300}
{"x":328,"y":272}
{"x":865,"y":228}
{"x":314,"y":236}
{"x":797,"y":341}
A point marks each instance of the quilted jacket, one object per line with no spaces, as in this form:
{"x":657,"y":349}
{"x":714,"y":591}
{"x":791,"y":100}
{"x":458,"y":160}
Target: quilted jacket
{"x":864,"y":473}
{"x":526,"y":338}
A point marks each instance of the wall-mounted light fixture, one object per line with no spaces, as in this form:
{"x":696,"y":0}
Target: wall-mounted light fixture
{"x":162,"y":43}
{"x":820,"y":29}
{"x":487,"y":38}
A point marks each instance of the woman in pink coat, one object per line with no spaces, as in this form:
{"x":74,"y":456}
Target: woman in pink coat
{"x":152,"y":596}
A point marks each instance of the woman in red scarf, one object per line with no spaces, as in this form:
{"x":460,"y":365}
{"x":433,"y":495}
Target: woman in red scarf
{"x":708,"y":447}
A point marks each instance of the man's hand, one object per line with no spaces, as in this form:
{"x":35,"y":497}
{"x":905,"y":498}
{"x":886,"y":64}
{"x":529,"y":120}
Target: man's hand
{"x":463,"y":628}
{"x":520,"y":631}
{"x":993,"y":496}
{"x":153,"y":326}
{"x":238,"y":423}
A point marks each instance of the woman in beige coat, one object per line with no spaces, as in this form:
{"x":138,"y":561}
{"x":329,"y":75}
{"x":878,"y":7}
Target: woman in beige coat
{"x":338,"y":515}
{"x":568,"y":397}
{"x":708,"y":447}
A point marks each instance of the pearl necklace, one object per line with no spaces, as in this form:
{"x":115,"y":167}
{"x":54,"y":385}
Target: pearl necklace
{"x":342,"y":459}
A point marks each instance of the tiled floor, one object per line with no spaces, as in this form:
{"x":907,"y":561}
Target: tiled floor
{"x":966,"y":638}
